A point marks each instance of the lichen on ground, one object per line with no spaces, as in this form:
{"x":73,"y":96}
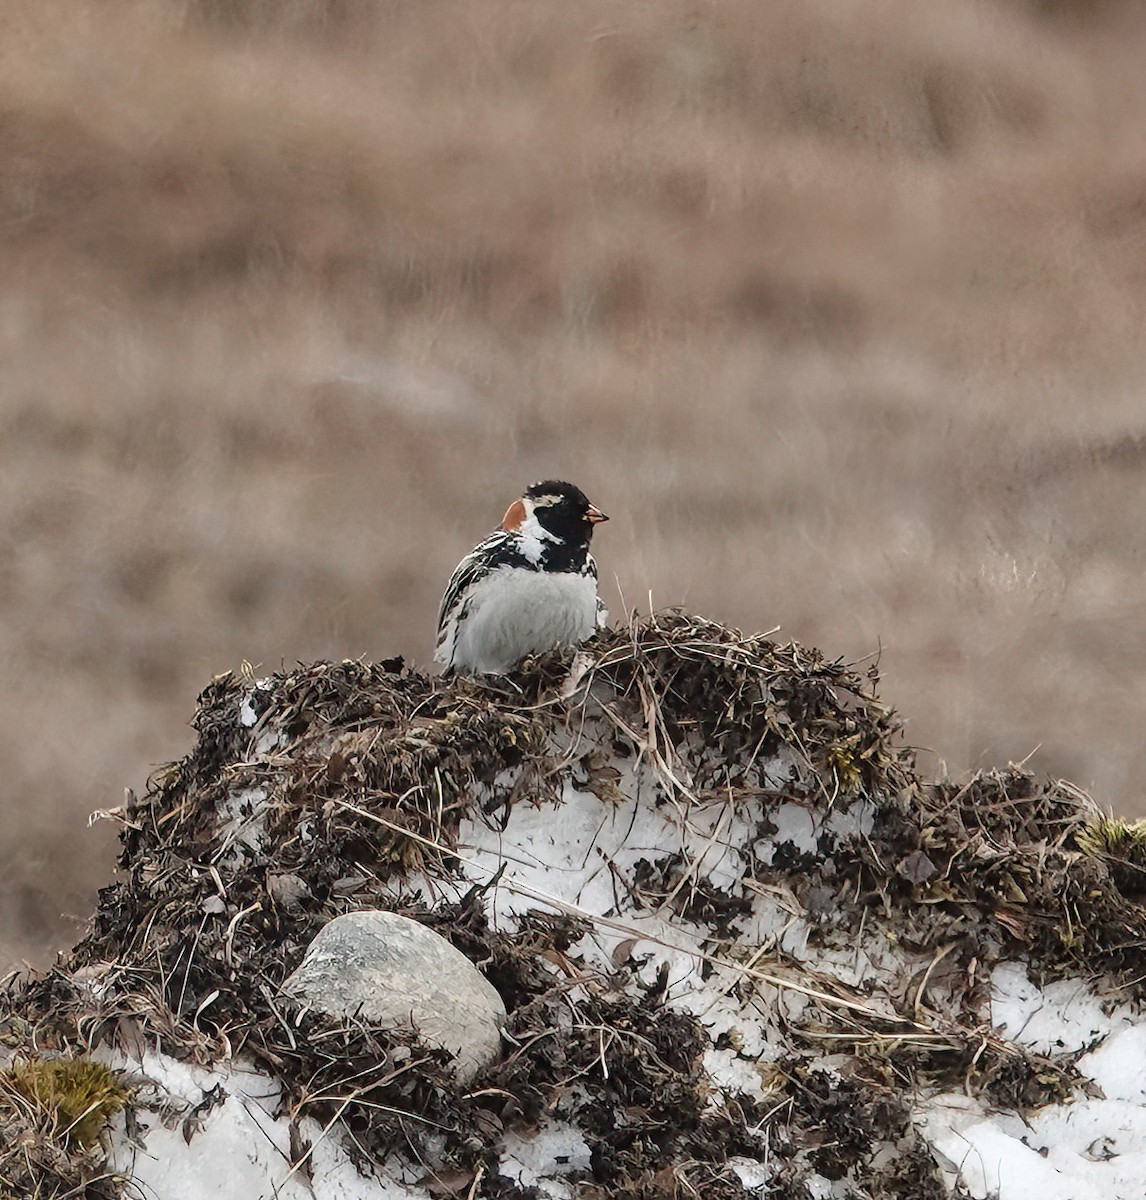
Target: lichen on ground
{"x":348,"y":785}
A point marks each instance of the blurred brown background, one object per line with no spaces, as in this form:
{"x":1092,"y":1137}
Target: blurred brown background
{"x":836,"y":308}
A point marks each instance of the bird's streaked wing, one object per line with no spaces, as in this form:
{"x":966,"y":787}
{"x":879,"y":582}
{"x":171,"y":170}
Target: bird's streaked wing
{"x":472,"y":567}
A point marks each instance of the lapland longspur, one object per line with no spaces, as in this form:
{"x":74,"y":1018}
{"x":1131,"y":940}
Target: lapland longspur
{"x":528,"y":587}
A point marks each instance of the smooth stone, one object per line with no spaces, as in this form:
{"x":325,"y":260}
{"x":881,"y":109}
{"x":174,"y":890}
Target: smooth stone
{"x":387,"y":970}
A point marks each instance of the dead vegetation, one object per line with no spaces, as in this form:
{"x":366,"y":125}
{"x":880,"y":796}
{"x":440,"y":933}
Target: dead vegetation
{"x":354,"y":777}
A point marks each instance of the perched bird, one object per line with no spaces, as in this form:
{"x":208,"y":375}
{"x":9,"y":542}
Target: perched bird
{"x":531,"y":585}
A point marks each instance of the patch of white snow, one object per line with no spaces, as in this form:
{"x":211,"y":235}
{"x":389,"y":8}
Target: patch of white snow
{"x":538,"y":1161}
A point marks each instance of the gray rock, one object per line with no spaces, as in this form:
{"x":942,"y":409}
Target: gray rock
{"x":387,"y":970}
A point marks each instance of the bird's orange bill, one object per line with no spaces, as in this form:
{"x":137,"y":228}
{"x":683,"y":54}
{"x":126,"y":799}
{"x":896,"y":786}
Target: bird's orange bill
{"x":595,"y":516}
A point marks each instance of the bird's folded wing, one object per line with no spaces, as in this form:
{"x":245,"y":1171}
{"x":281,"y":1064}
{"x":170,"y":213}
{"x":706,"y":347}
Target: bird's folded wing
{"x":482,"y":559}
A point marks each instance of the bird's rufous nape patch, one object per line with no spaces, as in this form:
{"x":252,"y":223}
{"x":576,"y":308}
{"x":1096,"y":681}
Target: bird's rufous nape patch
{"x":514,"y":515}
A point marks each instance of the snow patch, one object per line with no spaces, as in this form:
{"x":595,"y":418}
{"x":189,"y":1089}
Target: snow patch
{"x":1061,"y":1017}
{"x":556,"y":1149}
{"x":1094,"y":1145}
{"x":198,"y":1134}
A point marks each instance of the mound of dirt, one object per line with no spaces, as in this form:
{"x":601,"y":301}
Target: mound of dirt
{"x":743,"y":948}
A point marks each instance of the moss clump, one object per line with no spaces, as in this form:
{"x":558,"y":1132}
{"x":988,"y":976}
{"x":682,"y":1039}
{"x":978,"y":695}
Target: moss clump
{"x":52,"y":1113}
{"x":1121,"y":846}
{"x":66,"y":1099}
{"x":1112,"y":836}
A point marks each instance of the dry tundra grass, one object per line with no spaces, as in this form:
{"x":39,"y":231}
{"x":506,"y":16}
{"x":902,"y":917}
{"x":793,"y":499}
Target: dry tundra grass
{"x":835,"y":307}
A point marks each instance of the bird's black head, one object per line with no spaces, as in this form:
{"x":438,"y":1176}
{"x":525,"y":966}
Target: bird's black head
{"x":564,"y":510}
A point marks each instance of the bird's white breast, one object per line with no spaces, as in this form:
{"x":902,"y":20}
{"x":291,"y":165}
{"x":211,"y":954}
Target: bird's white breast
{"x":514,"y":612}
